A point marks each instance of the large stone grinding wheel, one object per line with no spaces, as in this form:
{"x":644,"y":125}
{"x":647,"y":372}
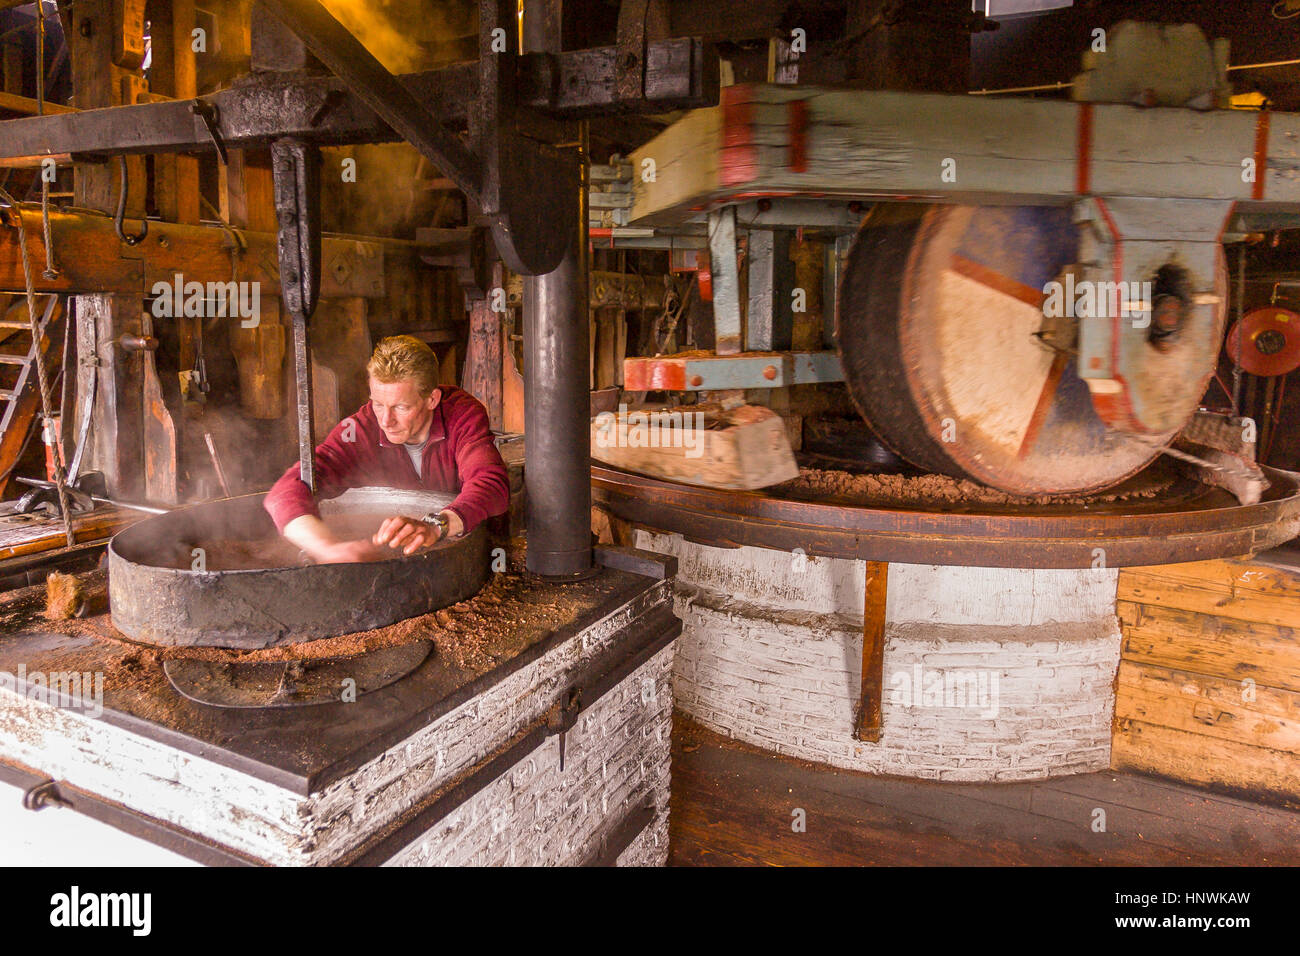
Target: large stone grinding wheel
{"x":939,"y":310}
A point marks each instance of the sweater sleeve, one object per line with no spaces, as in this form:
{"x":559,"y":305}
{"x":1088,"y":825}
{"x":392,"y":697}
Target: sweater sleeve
{"x":336,"y":462}
{"x":484,"y":487}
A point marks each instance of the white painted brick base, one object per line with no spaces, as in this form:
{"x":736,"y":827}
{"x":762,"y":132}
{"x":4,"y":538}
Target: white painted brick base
{"x":285,"y":828}
{"x":616,"y":759}
{"x":989,"y":674}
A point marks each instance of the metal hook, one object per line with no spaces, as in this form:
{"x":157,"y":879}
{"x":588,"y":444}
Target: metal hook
{"x":121,"y":209}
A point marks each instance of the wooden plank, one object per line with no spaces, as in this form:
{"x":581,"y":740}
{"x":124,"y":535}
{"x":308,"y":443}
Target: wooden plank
{"x":28,"y":106}
{"x":1211,"y":706}
{"x":1251,"y":772}
{"x":1231,"y":574}
{"x":20,"y":535}
{"x":117,"y":428}
{"x":1207,"y":644}
{"x":869,"y":723}
{"x":1256,"y":598}
{"x":862,"y":143}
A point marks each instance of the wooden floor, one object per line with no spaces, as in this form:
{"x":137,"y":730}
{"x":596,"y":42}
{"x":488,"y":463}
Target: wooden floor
{"x":733,"y":805}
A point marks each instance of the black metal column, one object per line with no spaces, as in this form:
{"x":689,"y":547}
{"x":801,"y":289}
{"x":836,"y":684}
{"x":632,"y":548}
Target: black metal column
{"x":557,"y":395}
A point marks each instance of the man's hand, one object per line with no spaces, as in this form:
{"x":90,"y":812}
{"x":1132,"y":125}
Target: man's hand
{"x":312,"y":535}
{"x":407,"y":534}
{"x":349,"y":552}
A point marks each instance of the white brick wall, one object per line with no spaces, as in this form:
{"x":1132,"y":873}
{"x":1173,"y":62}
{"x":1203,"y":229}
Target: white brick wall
{"x":616,"y":759}
{"x":771,"y":654}
{"x":275,"y":824}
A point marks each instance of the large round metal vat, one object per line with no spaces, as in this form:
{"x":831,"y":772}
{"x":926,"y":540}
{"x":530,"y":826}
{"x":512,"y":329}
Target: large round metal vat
{"x":166,"y":586}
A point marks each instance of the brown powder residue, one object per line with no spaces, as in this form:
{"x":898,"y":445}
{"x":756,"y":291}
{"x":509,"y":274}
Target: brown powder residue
{"x":815,"y":484}
{"x":500,"y":621}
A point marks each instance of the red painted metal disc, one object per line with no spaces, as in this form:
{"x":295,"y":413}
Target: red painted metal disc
{"x":1272,"y":341}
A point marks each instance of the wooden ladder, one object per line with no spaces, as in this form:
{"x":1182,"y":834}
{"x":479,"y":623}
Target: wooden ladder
{"x":20,"y":405}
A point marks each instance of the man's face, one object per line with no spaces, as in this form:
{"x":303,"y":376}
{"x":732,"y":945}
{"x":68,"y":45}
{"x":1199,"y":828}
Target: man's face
{"x":403,"y":415}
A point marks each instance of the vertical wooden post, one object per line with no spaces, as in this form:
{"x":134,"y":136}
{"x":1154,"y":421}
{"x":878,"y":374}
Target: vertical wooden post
{"x":873,"y":652}
{"x":118,"y":426}
{"x":173,"y":73}
{"x":483,"y":368}
{"x":248,"y":199}
{"x":11,"y":66}
{"x":97,"y":81}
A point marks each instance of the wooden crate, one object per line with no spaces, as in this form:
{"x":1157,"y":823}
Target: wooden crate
{"x":1208,"y":690}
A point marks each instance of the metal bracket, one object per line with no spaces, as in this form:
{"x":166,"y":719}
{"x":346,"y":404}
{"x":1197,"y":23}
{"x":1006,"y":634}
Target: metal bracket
{"x":1145,"y":379}
{"x":207,"y":112}
{"x":42,"y":795}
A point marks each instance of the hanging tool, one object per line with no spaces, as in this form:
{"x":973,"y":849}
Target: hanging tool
{"x":295,"y":170}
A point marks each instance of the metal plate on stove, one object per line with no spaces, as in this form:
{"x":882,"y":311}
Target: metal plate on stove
{"x":294,"y":683}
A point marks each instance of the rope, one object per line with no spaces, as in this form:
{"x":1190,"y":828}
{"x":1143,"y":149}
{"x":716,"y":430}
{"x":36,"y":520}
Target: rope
{"x":47,"y":422}
{"x":50,"y":271}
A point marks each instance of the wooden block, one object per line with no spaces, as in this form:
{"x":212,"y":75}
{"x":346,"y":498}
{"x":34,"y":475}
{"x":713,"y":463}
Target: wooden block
{"x":1210,"y":706}
{"x":744,"y":448}
{"x":1215,"y":646}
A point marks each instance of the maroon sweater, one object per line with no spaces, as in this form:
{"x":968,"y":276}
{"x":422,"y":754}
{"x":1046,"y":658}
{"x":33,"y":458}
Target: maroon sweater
{"x":460,"y":457}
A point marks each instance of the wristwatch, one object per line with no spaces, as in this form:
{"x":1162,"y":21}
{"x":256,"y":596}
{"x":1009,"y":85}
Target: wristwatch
{"x":441,"y":520}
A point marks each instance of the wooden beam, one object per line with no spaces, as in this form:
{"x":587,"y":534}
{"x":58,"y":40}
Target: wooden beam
{"x":173,"y":74}
{"x":869,"y":724}
{"x":92,"y":259}
{"x":29,"y":106}
{"x":97,"y":82}
{"x":117,"y":447}
{"x":11,"y":67}
{"x":483,"y":363}
{"x":861,"y":144}
{"x":248,"y":200}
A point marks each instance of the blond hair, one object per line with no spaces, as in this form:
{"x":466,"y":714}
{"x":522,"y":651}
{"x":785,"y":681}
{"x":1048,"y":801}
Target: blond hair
{"x":400,"y":357}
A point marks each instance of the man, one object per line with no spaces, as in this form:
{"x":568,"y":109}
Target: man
{"x":412,"y":433}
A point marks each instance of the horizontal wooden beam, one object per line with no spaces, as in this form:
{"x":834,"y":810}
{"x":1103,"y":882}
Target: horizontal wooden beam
{"x":772,"y":141}
{"x":90,"y":258}
{"x":29,"y":106}
{"x":319,"y":109}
